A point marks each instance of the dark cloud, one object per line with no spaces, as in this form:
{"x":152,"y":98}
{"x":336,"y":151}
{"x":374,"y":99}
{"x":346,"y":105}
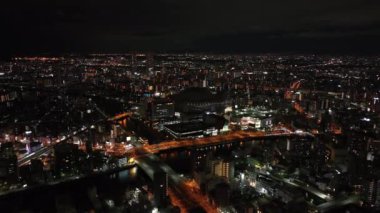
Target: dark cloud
{"x":55,"y":26}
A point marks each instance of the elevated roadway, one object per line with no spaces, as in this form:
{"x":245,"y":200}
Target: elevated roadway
{"x":237,"y":136}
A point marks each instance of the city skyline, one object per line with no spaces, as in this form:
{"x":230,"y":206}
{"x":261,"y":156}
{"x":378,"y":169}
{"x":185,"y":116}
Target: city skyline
{"x":179,"y":106}
{"x":152,"y":132}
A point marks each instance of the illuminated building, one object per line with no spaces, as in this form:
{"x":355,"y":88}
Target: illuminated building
{"x":258,"y":118}
{"x":184,"y":130}
{"x":372,"y":193}
{"x":6,"y":96}
{"x":91,"y":139}
{"x":223,"y":168}
{"x":190,"y":129}
{"x":116,"y":131}
{"x":162,"y":109}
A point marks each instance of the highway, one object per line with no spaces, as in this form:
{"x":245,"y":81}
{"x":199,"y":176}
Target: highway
{"x":43,"y":150}
{"x":26,"y":159}
{"x":146,"y":160}
{"x":188,"y":191}
{"x":329,"y":206}
{"x":236,"y":136}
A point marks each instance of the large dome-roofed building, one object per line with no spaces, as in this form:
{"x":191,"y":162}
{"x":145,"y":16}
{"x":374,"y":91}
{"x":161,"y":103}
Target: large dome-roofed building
{"x":199,"y":100}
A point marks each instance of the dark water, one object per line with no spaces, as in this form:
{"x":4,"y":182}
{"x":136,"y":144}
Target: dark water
{"x":183,"y":161}
{"x":179,"y":161}
{"x":79,"y":194}
{"x":76,"y":194}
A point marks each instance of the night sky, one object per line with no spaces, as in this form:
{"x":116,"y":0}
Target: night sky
{"x":242,"y":26}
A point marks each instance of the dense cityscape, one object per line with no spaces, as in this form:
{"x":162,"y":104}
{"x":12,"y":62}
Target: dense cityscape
{"x":155,"y":132}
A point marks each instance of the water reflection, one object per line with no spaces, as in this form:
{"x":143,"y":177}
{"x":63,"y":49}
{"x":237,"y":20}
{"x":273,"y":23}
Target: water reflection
{"x":183,"y":161}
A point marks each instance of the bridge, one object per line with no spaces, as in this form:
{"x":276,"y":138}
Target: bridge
{"x":236,"y":136}
{"x":120,"y":116}
{"x":179,"y":187}
{"x":153,"y":167}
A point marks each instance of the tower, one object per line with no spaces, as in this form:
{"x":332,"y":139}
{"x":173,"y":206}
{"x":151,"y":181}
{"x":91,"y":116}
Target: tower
{"x":91,"y":139}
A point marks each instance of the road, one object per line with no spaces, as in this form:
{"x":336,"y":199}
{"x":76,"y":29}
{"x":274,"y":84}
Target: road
{"x":307,"y":188}
{"x":43,"y":150}
{"x":219,"y":139}
{"x":300,"y":185}
{"x":189,"y":193}
{"x":26,"y":159}
{"x":329,"y":206}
